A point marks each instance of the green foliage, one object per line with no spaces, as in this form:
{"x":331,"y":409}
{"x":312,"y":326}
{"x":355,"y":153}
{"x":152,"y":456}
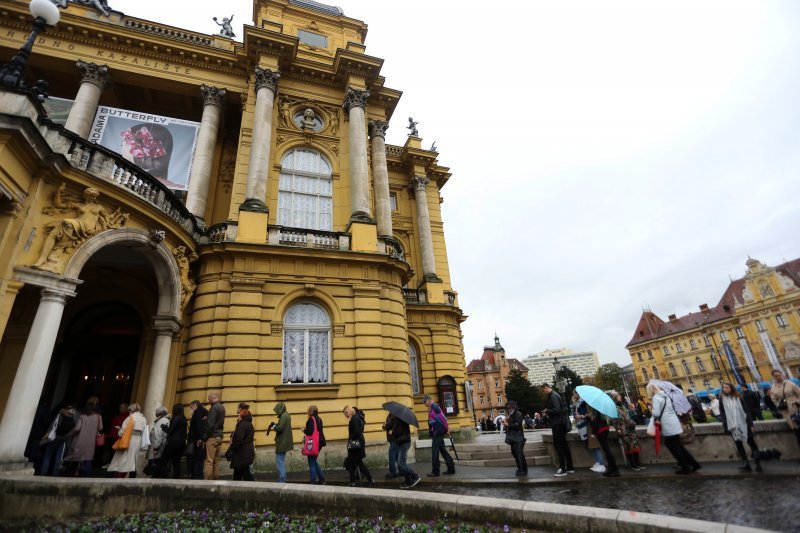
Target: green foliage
{"x":265,"y":521}
{"x":529,"y":398}
{"x":608,"y":377}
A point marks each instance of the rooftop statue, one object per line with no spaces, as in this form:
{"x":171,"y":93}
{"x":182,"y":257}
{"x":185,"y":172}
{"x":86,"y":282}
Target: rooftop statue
{"x":227,"y":29}
{"x":412,"y":127}
{"x":100,"y":5}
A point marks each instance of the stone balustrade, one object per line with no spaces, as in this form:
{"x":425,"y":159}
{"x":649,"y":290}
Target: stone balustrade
{"x":307,"y":238}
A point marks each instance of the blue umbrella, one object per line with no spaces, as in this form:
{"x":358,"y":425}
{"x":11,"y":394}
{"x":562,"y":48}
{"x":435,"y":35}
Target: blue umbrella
{"x":598,"y":400}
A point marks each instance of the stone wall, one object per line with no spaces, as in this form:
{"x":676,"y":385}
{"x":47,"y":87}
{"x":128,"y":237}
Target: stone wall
{"x":711,"y":444}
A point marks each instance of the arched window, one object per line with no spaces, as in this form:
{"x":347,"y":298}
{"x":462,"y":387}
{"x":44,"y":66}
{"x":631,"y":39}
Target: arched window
{"x":306,"y":344}
{"x":700,"y":366}
{"x":644,"y":374}
{"x":714,"y":361}
{"x":655,"y":372}
{"x":413,"y":364}
{"x":672,"y":371}
{"x":305,"y":193}
{"x":685,"y":367}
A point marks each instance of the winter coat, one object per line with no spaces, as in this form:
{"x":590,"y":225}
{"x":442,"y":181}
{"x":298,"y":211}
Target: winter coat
{"x":515,"y":432}
{"x":664,"y":411}
{"x":400,"y":431}
{"x":176,"y":434}
{"x":791,"y":393}
{"x":197,"y":426}
{"x":555,"y":409}
{"x":158,"y":437}
{"x":283,"y":429}
{"x":724,"y":420}
{"x":388,"y":425}
{"x":83,"y":438}
{"x":215,"y":421}
{"x":242,"y":447}
{"x":125,"y":460}
{"x":355,"y":431}
{"x":309,"y":430}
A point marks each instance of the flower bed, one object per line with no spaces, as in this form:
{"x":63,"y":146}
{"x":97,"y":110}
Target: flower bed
{"x":224,"y":521}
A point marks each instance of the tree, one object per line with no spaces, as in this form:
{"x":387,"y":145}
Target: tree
{"x":528,"y":398}
{"x":609,"y":377}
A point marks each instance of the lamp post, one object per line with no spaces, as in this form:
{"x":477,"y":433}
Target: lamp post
{"x":558,"y":366}
{"x":45,"y":13}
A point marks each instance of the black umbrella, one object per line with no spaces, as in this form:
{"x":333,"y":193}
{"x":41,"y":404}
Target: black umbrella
{"x":402,"y":412}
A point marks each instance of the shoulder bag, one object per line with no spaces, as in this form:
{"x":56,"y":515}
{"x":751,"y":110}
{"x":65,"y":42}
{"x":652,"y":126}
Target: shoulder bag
{"x":311,"y":442}
{"x":782,"y":405}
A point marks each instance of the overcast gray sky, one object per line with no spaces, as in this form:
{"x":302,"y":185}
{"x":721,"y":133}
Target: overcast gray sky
{"x":606,"y":155}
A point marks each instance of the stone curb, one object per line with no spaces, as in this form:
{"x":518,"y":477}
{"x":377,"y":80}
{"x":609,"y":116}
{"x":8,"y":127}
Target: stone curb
{"x":28,"y":499}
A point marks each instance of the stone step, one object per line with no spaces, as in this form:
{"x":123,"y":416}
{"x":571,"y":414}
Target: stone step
{"x":537,"y":460}
{"x":500,"y":454}
{"x":499,"y":447}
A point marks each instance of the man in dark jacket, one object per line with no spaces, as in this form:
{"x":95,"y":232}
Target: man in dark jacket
{"x":393,"y":449}
{"x":436,"y":421}
{"x":401,"y":436}
{"x":698,"y":413}
{"x":197,"y":431}
{"x":515,"y":437}
{"x":557,"y":414}
{"x":283,"y":439}
{"x":213,"y":436}
{"x":753,"y":403}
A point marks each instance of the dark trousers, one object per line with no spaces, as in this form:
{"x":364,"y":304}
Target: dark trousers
{"x":437,"y":447}
{"x":194,"y":463}
{"x":356,"y":462}
{"x":170,"y":456}
{"x":611,"y":463}
{"x":517,"y":450}
{"x":242,"y":474}
{"x":680,"y":453}
{"x":562,"y":449}
{"x":402,"y":465}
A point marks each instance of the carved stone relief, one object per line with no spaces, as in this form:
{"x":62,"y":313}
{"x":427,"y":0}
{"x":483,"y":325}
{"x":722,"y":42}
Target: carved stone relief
{"x":184,"y":261}
{"x":308,"y":116}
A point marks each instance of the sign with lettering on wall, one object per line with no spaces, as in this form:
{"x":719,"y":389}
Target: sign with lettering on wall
{"x":162,"y":146}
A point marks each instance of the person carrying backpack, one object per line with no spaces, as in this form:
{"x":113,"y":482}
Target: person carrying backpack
{"x":558,"y":414}
{"x":437,"y":423}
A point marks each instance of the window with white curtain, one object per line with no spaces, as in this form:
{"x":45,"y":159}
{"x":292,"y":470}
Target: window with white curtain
{"x":305,"y":192}
{"x":413,"y":364}
{"x":306,"y":344}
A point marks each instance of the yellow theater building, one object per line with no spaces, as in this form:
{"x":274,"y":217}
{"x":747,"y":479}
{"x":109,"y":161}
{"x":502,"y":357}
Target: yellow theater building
{"x":191,"y":213}
{"x":754,"y":329}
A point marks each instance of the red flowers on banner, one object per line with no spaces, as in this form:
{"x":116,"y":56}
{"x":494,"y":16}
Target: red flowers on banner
{"x":142,"y":144}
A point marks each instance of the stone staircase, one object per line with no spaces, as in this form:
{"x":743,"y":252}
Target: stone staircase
{"x":499,"y":454}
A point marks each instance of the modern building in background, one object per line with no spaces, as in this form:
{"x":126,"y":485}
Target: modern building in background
{"x":239,"y":225}
{"x":487,"y":377}
{"x":753,"y":329}
{"x":541,"y":368}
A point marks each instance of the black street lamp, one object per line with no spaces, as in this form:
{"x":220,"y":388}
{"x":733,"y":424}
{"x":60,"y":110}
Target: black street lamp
{"x":561,"y":367}
{"x":45,"y":13}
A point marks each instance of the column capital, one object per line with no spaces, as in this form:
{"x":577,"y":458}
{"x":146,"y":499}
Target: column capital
{"x":267,"y":78}
{"x":166,"y":325}
{"x":213,"y":95}
{"x":50,"y":282}
{"x":419,"y":183}
{"x":377,"y":128}
{"x":355,"y":98}
{"x":93,"y":73}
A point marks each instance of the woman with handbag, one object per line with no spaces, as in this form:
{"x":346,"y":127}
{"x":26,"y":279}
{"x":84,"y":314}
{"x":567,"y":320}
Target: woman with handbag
{"x":84,"y":441}
{"x":588,"y":437}
{"x":598,"y":424}
{"x":786,"y":397}
{"x":158,"y":440}
{"x":242,"y":452}
{"x":736,"y":422}
{"x":129,"y":443}
{"x":313,"y":442}
{"x":355,"y":446}
{"x":175,"y":444}
{"x":671,"y":428}
{"x":626,"y":432}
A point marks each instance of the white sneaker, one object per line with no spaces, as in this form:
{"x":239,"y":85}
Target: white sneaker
{"x":601,"y":469}
{"x":596,"y":467}
{"x":560,"y":473}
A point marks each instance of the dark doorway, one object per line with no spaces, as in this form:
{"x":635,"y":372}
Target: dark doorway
{"x":97,"y":356}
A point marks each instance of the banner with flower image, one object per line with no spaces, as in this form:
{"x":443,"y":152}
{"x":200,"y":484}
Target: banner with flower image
{"x":162,"y":146}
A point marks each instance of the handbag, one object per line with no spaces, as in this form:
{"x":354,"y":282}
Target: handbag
{"x":145,"y":438}
{"x":124,"y":441}
{"x":782,"y":405}
{"x":687,"y":435}
{"x":100,"y":440}
{"x":592,"y":443}
{"x":353,"y":444}
{"x":311,"y":442}
{"x":651,"y":427}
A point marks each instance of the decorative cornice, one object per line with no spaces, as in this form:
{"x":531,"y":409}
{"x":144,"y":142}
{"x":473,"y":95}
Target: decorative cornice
{"x":266,"y":78}
{"x":355,"y":98}
{"x":419,"y":183}
{"x":93,"y":73}
{"x":377,"y":128}
{"x":212,"y":95}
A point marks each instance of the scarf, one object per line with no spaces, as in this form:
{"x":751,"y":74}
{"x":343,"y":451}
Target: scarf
{"x":735,"y":417}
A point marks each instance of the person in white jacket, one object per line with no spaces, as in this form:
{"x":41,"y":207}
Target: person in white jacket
{"x":664,"y":413}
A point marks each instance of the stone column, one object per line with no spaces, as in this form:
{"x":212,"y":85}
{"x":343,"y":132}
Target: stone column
{"x":355,"y":104}
{"x":266,"y":86}
{"x":419,"y":185}
{"x":200,"y":179}
{"x":31,"y":372}
{"x":94,"y":78}
{"x":380,"y":174}
{"x":165,"y":328}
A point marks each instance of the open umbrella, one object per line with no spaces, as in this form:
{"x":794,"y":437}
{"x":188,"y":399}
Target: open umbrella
{"x":679,"y":400}
{"x":402,"y":412}
{"x":598,"y":400}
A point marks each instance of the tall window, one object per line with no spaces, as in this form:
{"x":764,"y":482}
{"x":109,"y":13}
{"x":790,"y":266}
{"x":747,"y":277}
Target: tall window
{"x":393,"y":201}
{"x":706,"y":340}
{"x":724,"y":336}
{"x":655,"y":372}
{"x":649,"y":354}
{"x":665,"y":349}
{"x":700,"y":366}
{"x":413,"y":364}
{"x":739,"y":333}
{"x":759,"y":325}
{"x":714,"y":361}
{"x":692,"y":344}
{"x":306,"y":344}
{"x":679,"y":348}
{"x":496,"y":383}
{"x":639,"y":355}
{"x":672,"y":371}
{"x":480,"y":385}
{"x":780,"y":320}
{"x":644,"y":374}
{"x":685,"y":366}
{"x":305,"y":193}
